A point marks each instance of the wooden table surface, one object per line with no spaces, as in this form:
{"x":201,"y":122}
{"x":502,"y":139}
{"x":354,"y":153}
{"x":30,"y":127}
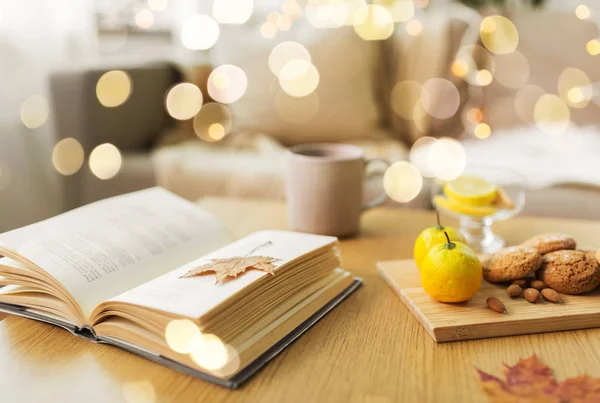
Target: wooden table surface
{"x":369,"y":349}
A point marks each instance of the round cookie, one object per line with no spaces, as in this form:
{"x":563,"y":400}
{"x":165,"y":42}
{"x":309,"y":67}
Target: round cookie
{"x":547,"y":243}
{"x":590,"y":253}
{"x":511,"y":263}
{"x":569,"y":271}
{"x":598,"y":256}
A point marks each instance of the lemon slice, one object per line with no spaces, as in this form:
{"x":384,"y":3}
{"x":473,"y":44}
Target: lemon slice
{"x":455,"y":206}
{"x":471,"y":190}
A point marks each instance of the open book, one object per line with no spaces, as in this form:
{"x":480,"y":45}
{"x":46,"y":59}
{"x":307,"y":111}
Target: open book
{"x":121,"y":271}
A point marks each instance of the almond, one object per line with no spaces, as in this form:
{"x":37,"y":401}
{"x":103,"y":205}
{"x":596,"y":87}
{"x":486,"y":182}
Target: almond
{"x":532,"y":295}
{"x":495,"y":304}
{"x":538,"y":285}
{"x":520,"y":282}
{"x":550,"y":295}
{"x":514,"y":291}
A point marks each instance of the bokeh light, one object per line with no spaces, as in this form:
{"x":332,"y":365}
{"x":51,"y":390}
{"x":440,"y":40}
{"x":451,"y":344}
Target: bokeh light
{"x":459,"y":68}
{"x":68,"y":156}
{"x":484,"y":77}
{"x":420,"y":119}
{"x":211,"y":353}
{"x":414,"y":27}
{"x":283,"y":22}
{"x":593,"y":47}
{"x":440,"y":98}
{"x":474,"y":115}
{"x":373,"y":22}
{"x":105,"y":161}
{"x":405,"y":97}
{"x":144,"y":19}
{"x":298,"y":78}
{"x":575,"y":87}
{"x":575,"y":94}
{"x":268,"y":30}
{"x":182,"y":335}
{"x":291,"y":8}
{"x":582,"y":12}
{"x":213,"y":122}
{"x":326,"y":13}
{"x":525,"y":100}
{"x":296,"y":110}
{"x":216,"y":131}
{"x":232,"y":364}
{"x":183,"y":101}
{"x":157,"y":5}
{"x":113,"y":88}
{"x":400,"y":10}
{"x":482,"y":131}
{"x":551,"y":114}
{"x":284,"y":53}
{"x":227,"y":83}
{"x":419,"y":155}
{"x":447,"y":159}
{"x":34,"y":111}
{"x":469,"y":60}
{"x":499,"y":34}
{"x":512,"y":70}
{"x":402,"y":182}
{"x":139,"y":392}
{"x":200,"y":32}
{"x":232,"y":11}
{"x":353,"y":6}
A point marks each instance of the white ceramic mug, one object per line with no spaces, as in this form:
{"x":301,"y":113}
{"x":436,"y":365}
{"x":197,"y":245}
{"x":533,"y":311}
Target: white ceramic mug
{"x":324,"y":187}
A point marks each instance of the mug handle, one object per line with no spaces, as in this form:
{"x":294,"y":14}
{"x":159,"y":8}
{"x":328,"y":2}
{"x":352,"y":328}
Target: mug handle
{"x":379,"y":172}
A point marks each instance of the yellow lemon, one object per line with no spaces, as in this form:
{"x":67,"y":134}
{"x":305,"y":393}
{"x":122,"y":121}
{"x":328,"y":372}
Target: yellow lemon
{"x":471,"y":190}
{"x":433,"y":236}
{"x":451,"y":272}
{"x":450,"y":204}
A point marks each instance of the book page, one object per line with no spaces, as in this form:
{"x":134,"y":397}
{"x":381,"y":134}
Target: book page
{"x":105,"y":248}
{"x":193,"y":297}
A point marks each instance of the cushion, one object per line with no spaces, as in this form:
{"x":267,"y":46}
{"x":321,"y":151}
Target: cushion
{"x":244,"y":164}
{"x":413,"y":61}
{"x":550,"y":41}
{"x":343,"y":106}
{"x":145,"y":105}
{"x":535,"y":154}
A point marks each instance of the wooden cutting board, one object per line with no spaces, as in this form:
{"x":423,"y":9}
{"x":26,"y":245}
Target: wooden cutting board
{"x":474,"y":320}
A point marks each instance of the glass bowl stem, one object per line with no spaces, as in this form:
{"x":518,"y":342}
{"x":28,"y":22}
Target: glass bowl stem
{"x":478,"y":233}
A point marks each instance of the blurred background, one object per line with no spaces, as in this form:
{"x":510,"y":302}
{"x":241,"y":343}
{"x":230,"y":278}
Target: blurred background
{"x":102,"y":97}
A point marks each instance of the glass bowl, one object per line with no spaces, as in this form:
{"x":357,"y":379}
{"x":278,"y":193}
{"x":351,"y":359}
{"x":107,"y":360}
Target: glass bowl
{"x":478,"y":229}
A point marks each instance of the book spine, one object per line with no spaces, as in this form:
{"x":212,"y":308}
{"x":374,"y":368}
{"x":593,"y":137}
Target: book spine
{"x":86,"y":332}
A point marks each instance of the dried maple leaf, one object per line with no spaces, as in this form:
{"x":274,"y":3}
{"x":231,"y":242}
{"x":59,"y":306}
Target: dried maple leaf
{"x":231,"y":267}
{"x":532,"y":381}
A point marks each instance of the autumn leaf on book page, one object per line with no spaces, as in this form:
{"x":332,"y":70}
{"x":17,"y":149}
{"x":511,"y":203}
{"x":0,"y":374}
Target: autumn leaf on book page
{"x":231,"y":267}
{"x":532,"y":381}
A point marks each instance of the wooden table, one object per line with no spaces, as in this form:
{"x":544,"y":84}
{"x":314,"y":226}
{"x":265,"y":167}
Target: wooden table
{"x":369,"y":349}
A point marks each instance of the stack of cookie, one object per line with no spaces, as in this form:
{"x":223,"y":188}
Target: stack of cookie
{"x":551,"y":258}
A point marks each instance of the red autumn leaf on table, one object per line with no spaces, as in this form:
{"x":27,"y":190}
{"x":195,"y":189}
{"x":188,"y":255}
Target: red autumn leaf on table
{"x":532,"y":381}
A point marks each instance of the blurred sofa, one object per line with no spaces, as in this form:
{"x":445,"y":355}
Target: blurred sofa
{"x":133,"y":127}
{"x":353,"y":106}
